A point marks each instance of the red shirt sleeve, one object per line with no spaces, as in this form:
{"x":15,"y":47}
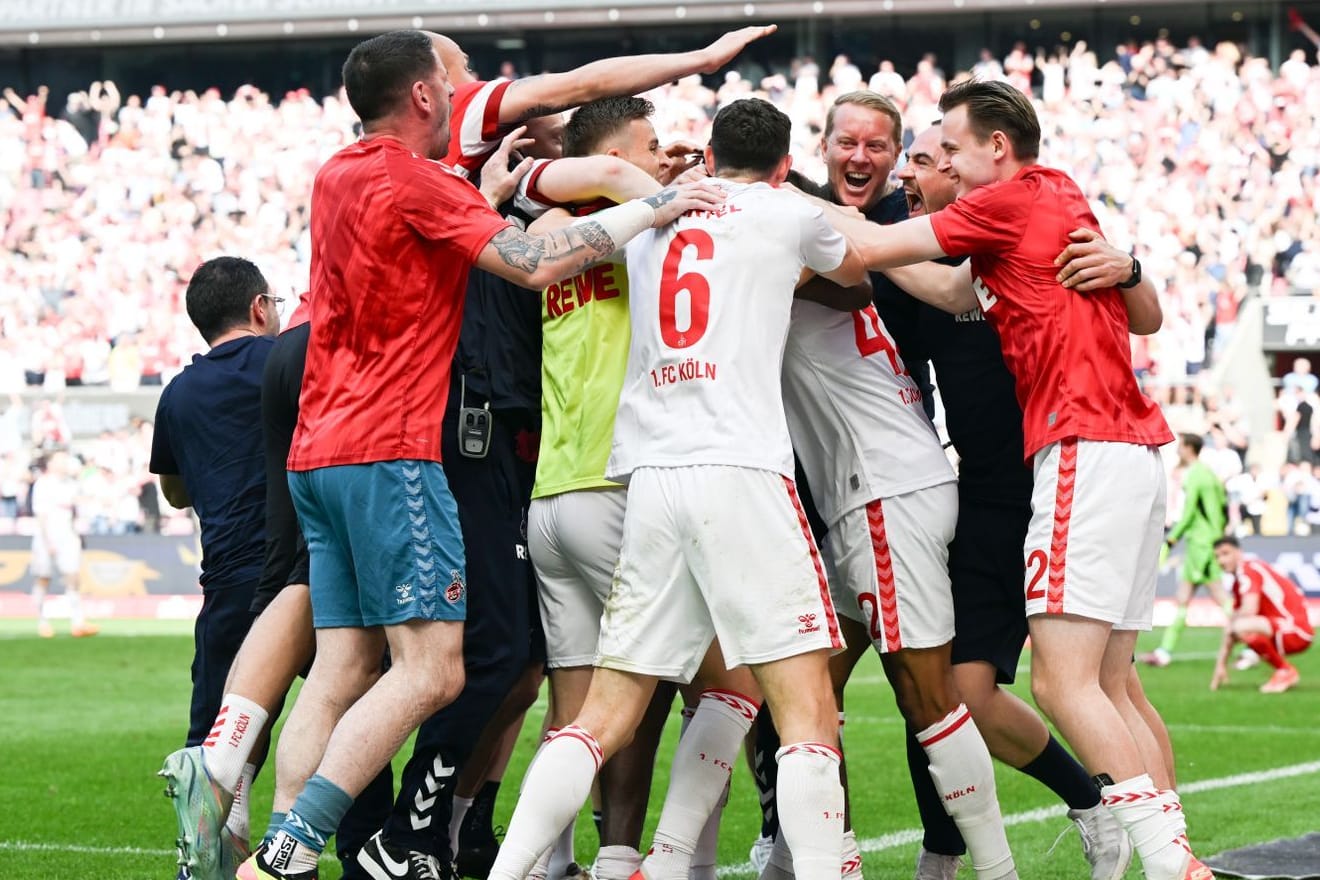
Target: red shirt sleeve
{"x":443,"y":207}
{"x":988,"y":220}
{"x":1251,"y":583}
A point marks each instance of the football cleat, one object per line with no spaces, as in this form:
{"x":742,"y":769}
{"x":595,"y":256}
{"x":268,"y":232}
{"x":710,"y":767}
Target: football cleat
{"x":200,"y":811}
{"x":1105,"y":842}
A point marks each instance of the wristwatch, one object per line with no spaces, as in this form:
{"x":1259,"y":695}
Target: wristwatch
{"x":1135,"y":279}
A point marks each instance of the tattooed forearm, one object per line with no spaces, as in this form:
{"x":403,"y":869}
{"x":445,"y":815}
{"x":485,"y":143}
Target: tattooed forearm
{"x":575,"y":246}
{"x":595,"y":237}
{"x":544,"y":108}
{"x":518,"y":249}
{"x":664,"y":197}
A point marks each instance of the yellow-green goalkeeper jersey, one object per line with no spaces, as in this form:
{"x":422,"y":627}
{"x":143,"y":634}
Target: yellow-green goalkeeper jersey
{"x":584,"y":355}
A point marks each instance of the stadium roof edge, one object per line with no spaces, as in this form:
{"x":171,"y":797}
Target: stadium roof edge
{"x":93,"y":22}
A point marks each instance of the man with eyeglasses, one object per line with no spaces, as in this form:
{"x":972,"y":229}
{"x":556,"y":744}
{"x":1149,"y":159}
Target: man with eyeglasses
{"x":209,"y":453}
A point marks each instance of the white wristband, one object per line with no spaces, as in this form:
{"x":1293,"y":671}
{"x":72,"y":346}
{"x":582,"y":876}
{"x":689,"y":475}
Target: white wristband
{"x":624,"y":222}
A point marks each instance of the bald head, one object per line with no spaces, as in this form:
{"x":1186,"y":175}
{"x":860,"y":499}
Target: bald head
{"x":453,"y":59}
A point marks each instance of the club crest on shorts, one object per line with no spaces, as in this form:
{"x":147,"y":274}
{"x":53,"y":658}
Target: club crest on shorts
{"x":809,"y":624}
{"x":454,"y":591}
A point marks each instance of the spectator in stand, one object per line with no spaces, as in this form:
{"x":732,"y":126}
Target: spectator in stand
{"x":1246,"y":500}
{"x":1298,"y":409}
{"x":1300,"y":376}
{"x":888,"y":82}
{"x":1019,"y":66}
{"x":1298,"y":484}
{"x":1200,"y":158}
{"x":988,"y":67}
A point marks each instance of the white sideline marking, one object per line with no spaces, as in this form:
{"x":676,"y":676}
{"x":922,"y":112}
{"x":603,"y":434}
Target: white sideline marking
{"x":31,"y":846}
{"x":873,"y":844}
{"x":913,"y":835}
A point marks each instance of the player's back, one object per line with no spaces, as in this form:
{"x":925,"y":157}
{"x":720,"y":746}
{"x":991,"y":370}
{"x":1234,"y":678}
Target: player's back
{"x":710,"y":297}
{"x":393,"y":238}
{"x":854,"y":411}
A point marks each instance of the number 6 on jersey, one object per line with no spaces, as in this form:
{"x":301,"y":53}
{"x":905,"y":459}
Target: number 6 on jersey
{"x":694,"y":285}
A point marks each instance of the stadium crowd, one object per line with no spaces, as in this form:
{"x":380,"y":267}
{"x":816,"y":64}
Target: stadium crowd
{"x":356,"y":377}
{"x":1202,"y":160}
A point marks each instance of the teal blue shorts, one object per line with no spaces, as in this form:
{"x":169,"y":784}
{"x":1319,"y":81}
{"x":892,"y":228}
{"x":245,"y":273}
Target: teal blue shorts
{"x":384,"y":543}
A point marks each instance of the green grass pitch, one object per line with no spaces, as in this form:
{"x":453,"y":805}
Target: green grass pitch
{"x":84,"y":725}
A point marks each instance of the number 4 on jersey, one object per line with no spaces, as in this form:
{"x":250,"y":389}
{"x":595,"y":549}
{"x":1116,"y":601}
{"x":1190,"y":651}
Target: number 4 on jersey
{"x":872,"y":337}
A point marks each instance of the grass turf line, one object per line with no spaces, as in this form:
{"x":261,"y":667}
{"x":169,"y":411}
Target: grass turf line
{"x":85,"y":723}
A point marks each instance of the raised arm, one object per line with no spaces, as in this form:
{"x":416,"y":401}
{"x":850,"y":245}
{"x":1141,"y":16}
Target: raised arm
{"x":533,"y":261}
{"x":1091,"y":263}
{"x":582,"y":179}
{"x":901,"y":251}
{"x":15,"y":101}
{"x":627,"y":75}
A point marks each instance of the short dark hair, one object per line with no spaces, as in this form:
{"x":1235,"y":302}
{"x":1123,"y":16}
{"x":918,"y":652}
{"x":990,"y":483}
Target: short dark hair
{"x":997,"y":106}
{"x":380,"y":71}
{"x":1229,"y":541}
{"x":1193,"y":440}
{"x":220,"y":293}
{"x":597,"y":121}
{"x":749,"y":135}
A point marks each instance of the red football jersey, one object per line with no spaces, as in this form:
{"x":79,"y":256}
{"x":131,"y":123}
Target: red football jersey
{"x":1281,"y":600}
{"x":1068,"y":352}
{"x":474,"y":124}
{"x":393,"y":237}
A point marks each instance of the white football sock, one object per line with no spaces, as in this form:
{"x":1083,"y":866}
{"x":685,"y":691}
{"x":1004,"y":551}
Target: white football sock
{"x":965,"y":778}
{"x":561,"y":855}
{"x":852,"y":857}
{"x":238,"y":823}
{"x":228,"y":746}
{"x":697,"y":780}
{"x":459,"y":810}
{"x":556,"y":786}
{"x":810,"y":799}
{"x":616,"y":863}
{"x":1156,"y":834}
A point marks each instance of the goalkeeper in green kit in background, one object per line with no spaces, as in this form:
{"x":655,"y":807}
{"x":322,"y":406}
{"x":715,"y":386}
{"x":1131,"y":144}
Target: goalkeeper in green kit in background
{"x":1204,"y":517}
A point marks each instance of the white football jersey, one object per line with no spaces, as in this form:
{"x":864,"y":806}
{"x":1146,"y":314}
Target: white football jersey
{"x":854,"y":411}
{"x":54,"y":499}
{"x":710,"y":296}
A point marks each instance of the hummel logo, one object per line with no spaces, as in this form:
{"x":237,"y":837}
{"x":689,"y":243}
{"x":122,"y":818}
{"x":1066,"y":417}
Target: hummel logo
{"x":809,"y":624}
{"x":405,"y":592}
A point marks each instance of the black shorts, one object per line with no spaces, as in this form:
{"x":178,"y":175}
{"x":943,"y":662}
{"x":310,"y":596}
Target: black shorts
{"x":285,"y":565}
{"x":503,"y":629}
{"x":986,"y":570}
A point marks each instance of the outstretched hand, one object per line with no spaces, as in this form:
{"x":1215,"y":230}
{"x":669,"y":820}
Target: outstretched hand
{"x":727,"y":47}
{"x":674,"y":201}
{"x":678,"y":158}
{"x":1091,"y":263}
{"x":1220,"y":677}
{"x":498,"y":180}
